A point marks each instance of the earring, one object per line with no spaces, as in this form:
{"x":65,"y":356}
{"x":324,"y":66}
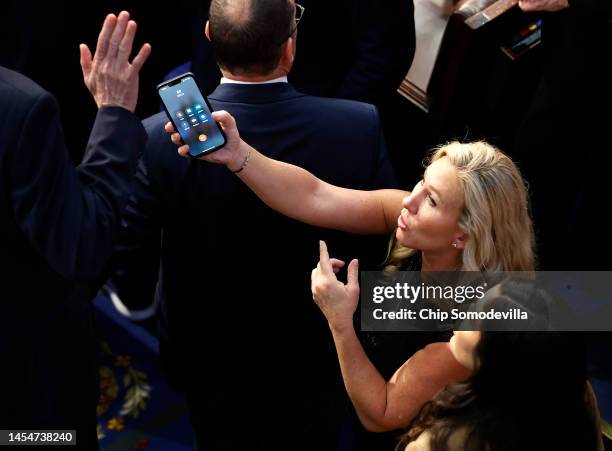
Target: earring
{"x":455,"y":245}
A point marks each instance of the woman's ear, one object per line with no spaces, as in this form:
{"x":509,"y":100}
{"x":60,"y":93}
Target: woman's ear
{"x":459,"y":241}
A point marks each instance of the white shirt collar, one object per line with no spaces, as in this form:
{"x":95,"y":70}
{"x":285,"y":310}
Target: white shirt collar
{"x":276,"y":80}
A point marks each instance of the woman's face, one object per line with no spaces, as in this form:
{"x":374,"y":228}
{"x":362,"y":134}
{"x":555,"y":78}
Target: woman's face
{"x":463,"y":346}
{"x":429,"y":220}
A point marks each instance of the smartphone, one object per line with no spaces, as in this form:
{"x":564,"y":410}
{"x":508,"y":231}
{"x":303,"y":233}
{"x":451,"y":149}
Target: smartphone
{"x":191,"y":115}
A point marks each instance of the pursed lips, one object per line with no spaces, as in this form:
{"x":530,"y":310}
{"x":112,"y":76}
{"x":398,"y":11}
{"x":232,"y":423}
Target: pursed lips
{"x":401,"y":223}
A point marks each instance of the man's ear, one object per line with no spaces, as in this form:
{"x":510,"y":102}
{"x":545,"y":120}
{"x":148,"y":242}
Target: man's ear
{"x":207,"y":30}
{"x":288,"y":52}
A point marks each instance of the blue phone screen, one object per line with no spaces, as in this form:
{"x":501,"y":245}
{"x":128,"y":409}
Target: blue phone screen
{"x":191,"y":116}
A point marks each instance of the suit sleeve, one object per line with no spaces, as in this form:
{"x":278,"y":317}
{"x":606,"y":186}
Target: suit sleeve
{"x":70,"y":215}
{"x":384,"y":46}
{"x":383,"y":175}
{"x":134,"y":266}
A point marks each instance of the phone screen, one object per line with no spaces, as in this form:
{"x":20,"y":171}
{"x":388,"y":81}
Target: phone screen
{"x":191,"y":116}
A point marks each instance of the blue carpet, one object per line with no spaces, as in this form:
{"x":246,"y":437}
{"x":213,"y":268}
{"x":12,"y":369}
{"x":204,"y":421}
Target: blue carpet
{"x":137,"y":409}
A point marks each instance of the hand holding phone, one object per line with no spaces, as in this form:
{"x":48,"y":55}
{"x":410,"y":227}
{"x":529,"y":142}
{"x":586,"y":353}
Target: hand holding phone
{"x":191,"y":114}
{"x":233,"y":153}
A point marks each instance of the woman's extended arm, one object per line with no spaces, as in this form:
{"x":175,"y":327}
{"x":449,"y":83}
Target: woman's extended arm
{"x":300,"y":195}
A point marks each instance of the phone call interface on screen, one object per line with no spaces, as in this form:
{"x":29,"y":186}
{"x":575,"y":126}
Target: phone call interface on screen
{"x":191,"y":115}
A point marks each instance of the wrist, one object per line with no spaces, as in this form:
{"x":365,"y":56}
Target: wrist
{"x":107,"y":104}
{"x":341,"y":327}
{"x":240,"y":161}
{"x":114,"y":105}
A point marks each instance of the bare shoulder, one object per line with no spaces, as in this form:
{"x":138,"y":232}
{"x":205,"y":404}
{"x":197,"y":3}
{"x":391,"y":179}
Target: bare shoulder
{"x":438,"y":351}
{"x":437,"y":360}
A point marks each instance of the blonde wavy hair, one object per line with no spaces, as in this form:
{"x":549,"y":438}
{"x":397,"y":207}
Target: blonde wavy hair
{"x":495,"y":213}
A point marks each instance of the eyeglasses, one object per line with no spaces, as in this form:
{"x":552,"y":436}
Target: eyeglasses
{"x":299,"y":13}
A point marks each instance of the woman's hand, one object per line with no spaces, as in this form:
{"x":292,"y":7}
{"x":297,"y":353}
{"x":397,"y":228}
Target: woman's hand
{"x":336,"y":300}
{"x":231,"y":155}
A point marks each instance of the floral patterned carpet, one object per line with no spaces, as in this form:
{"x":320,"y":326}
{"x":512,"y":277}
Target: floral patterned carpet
{"x":137,"y":410}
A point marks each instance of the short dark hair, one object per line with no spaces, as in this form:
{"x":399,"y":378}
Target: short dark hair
{"x":250,"y":44}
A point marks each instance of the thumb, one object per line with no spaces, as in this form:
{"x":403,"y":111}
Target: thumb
{"x":85,"y":60}
{"x":227,"y":120}
{"x":353,"y":274}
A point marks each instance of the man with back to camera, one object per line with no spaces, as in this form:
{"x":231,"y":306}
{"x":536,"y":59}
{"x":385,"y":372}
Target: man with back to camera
{"x":58,"y":226}
{"x":239,"y":332}
{"x":348,"y":49}
{"x":564,"y":133}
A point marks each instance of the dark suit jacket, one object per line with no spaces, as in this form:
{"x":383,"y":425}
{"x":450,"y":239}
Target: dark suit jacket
{"x":354,"y":49}
{"x":351,"y":49}
{"x":566,"y":134}
{"x":58,"y":226}
{"x":237,"y":317}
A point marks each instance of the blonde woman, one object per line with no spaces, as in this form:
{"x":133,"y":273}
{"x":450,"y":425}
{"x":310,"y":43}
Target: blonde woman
{"x":469,"y":212}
